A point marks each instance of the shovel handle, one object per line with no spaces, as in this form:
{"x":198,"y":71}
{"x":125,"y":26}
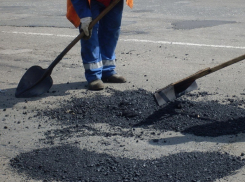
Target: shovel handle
{"x":63,"y":53}
{"x":193,"y":77}
{"x":207,"y":71}
{"x":228,"y":63}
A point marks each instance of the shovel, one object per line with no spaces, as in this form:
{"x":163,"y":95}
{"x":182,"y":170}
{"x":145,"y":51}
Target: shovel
{"x":179,"y":88}
{"x":37,"y":80}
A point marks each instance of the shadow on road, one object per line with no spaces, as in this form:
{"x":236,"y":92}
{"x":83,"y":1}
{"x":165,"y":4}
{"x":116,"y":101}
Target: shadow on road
{"x":211,"y":132}
{"x":8,"y":100}
{"x":209,"y":118}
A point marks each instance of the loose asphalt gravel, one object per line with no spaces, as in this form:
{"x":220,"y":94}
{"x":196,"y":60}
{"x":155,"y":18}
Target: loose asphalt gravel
{"x":69,"y":163}
{"x":130,"y":110}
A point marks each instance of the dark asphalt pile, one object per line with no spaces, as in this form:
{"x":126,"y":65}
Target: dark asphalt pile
{"x":130,"y":109}
{"x":69,"y":163}
{"x":137,"y":108}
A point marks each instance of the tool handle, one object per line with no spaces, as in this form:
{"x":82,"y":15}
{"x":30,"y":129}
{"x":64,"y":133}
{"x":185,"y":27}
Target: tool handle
{"x":207,"y":71}
{"x":228,"y":63}
{"x":194,"y":76}
{"x":63,"y":53}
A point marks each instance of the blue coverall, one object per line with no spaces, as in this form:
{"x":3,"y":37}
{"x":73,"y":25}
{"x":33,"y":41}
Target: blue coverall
{"x":98,"y":53}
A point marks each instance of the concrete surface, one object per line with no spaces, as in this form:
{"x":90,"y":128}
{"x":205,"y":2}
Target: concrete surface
{"x":161,"y":42}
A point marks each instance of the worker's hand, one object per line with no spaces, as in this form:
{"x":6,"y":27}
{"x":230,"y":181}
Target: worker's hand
{"x":84,"y":27}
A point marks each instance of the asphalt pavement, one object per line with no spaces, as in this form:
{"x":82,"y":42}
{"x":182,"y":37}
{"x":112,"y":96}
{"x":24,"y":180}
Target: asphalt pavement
{"x":161,"y":42}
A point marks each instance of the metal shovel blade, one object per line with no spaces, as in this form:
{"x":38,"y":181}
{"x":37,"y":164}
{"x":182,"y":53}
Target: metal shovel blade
{"x":169,"y":93}
{"x":33,"y":83}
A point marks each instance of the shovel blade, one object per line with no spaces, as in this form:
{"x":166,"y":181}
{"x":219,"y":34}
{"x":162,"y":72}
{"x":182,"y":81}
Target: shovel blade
{"x":33,"y":83}
{"x":169,"y":93}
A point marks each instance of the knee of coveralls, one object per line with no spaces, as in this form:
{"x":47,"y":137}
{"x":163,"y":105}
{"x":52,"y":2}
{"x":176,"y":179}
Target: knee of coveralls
{"x":109,"y":31}
{"x":90,"y":53}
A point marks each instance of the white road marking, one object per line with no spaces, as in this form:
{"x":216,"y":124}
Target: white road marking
{"x":39,"y":34}
{"x":182,"y":43}
{"x":14,"y":51}
{"x":137,"y":40}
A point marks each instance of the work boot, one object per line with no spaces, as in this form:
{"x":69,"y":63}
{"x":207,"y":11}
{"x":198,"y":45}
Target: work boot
{"x":114,"y":79}
{"x":96,"y":85}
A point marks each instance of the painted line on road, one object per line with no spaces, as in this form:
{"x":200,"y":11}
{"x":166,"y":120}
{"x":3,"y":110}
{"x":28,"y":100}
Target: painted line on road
{"x":137,"y":40}
{"x":182,"y":43}
{"x":40,"y":34}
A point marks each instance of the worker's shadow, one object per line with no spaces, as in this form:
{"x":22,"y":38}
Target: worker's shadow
{"x":216,"y":132}
{"x":8,"y":99}
{"x":193,"y":127}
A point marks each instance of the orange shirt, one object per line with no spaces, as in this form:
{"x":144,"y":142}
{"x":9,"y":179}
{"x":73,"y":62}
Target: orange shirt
{"x":74,"y":18}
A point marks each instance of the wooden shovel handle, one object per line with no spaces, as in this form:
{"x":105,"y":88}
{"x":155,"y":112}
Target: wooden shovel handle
{"x":207,"y":71}
{"x":228,"y":63}
{"x":194,"y":76}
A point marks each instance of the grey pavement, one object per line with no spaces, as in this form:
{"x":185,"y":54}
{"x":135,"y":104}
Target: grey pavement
{"x":162,"y":41}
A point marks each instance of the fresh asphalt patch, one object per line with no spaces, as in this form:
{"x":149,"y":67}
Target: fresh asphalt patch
{"x":137,"y":109}
{"x":125,"y":111}
{"x":69,"y":163}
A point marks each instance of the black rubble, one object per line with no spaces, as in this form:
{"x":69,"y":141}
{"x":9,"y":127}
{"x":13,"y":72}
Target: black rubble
{"x":69,"y":163}
{"x":137,"y":108}
{"x":128,"y":110}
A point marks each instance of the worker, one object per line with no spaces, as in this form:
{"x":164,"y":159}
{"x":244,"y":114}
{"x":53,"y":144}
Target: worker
{"x":99,"y":44}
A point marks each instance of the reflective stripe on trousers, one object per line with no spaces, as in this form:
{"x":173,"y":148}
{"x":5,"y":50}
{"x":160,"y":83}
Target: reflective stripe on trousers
{"x":104,"y":63}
